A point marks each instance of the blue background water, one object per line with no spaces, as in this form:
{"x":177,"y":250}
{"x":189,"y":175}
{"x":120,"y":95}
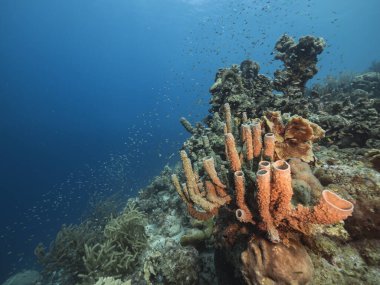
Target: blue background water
{"x":84,"y":81}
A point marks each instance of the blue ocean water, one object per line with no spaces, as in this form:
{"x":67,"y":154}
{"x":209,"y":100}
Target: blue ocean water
{"x":86,"y":83}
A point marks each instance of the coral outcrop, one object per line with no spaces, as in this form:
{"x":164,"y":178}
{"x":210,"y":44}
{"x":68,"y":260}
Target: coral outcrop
{"x":348,"y":109}
{"x":300,"y":63}
{"x":263,"y":196}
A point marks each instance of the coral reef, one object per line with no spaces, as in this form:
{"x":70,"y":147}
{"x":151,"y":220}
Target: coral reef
{"x":276,"y":215}
{"x":273,"y":201}
{"x":257,"y":200}
{"x":242,"y":87}
{"x":348,"y":109}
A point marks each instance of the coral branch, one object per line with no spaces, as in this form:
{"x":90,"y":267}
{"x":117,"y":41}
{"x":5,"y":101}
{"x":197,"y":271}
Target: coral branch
{"x":178,"y":188}
{"x":212,"y":195}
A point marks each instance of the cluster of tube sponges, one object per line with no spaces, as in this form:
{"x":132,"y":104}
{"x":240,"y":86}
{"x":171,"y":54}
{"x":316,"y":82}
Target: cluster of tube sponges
{"x":273,"y":186}
{"x":209,"y":196}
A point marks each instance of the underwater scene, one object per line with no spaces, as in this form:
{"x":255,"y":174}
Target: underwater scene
{"x":194,"y":142}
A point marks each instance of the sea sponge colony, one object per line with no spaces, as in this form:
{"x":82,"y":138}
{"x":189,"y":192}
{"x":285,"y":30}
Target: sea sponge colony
{"x":260,"y":188}
{"x":274,"y":183}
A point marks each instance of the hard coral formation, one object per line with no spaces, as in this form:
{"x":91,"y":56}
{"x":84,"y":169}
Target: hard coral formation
{"x":242,"y":87}
{"x":300,"y":60}
{"x":348,"y":109}
{"x":302,"y":176}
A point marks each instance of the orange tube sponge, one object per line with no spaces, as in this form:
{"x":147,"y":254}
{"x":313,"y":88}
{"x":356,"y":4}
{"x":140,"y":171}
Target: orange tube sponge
{"x":257,"y":141}
{"x":190,"y":207}
{"x":201,"y":216}
{"x":282,"y":192}
{"x":263,"y":177}
{"x":192,"y":186}
{"x":264,"y":165}
{"x":228,"y":117}
{"x":331,"y":209}
{"x":222,"y":193}
{"x":185,"y":191}
{"x":212,"y":195}
{"x":269,"y":145}
{"x":209,"y":167}
{"x":243,"y":214}
{"x":189,"y":174}
{"x":247,"y":140}
{"x":232,"y":153}
{"x":179,"y":190}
